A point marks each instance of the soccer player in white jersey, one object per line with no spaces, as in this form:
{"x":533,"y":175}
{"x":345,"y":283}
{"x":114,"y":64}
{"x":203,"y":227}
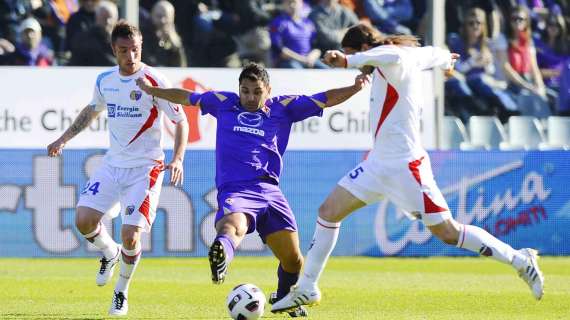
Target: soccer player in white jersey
{"x":133,"y":167}
{"x":397,"y":168}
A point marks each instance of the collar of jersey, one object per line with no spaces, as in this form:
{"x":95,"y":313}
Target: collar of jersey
{"x":125,"y":79}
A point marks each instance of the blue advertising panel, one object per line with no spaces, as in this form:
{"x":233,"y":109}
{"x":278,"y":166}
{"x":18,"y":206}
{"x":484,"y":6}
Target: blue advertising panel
{"x":521,"y":197}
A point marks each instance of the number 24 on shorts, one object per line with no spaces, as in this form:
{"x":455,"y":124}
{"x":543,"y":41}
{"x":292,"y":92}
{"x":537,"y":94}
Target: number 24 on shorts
{"x":354,"y":173}
{"x":91,"y":187}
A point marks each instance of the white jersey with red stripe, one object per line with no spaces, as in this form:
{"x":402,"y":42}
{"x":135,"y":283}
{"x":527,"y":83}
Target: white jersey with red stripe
{"x":396,"y":96}
{"x":134,"y":118}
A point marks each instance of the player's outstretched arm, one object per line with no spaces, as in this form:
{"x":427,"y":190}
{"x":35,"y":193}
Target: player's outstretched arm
{"x":337,"y":96}
{"x":81,"y":122}
{"x":176,"y":166}
{"x":174,"y":95}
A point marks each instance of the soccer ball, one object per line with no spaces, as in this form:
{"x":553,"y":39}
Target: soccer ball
{"x":246,"y":302}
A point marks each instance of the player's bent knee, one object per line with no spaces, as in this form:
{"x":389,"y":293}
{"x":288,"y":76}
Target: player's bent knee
{"x":86,"y":219}
{"x":447,"y":231}
{"x":327,"y":212}
{"x":447,"y":236}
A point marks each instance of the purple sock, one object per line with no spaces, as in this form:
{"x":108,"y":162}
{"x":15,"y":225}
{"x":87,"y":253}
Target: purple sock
{"x":228,"y":246}
{"x":286,"y":280}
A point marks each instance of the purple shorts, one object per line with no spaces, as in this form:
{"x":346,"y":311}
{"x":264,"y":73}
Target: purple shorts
{"x":263,"y":202}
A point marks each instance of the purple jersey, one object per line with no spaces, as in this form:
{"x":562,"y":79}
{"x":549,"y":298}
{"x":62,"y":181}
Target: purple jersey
{"x":295,"y":35}
{"x":250,"y":145}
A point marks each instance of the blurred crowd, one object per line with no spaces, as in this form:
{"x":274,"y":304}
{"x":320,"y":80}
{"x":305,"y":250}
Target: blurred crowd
{"x":514,"y":53}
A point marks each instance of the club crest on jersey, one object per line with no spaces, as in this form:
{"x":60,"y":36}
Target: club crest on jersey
{"x":129,"y":210}
{"x":136,"y":95}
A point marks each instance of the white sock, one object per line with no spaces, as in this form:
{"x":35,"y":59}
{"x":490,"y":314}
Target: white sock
{"x":324,"y":241}
{"x":129,"y":261}
{"x":101,"y":239}
{"x":480,"y":241}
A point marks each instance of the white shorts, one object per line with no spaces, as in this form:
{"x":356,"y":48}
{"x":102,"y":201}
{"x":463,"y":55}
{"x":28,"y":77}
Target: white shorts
{"x":137,"y":190}
{"x":409,"y":185}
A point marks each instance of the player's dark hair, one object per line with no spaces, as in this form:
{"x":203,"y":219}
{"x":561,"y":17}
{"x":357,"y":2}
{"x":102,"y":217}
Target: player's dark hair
{"x":254,"y":72}
{"x":364,"y":33}
{"x":123,"y":29}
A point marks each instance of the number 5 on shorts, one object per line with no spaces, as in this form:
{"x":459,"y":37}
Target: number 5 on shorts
{"x":354,"y":174}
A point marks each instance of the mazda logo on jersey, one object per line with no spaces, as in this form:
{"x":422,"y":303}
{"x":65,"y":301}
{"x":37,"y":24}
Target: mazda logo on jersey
{"x":250,"y":119}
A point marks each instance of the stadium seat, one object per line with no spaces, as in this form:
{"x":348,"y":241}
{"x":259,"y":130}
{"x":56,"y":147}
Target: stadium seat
{"x":453,"y":133}
{"x":486,"y":132}
{"x":525,"y":132}
{"x":558,"y":134}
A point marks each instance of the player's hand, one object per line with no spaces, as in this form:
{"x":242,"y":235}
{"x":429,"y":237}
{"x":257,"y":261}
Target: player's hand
{"x":55,"y":148}
{"x":144,"y":84}
{"x":449,"y":72}
{"x":361,"y":81}
{"x":335,"y":58}
{"x":176,"y":172}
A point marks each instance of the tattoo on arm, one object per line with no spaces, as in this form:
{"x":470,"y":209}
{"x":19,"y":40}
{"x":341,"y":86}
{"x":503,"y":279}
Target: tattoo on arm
{"x":81,"y":122}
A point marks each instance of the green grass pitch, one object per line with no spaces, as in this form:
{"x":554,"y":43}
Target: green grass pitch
{"x":353,"y":288}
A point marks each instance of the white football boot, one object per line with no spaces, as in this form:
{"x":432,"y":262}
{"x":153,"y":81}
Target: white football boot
{"x":297,"y":297}
{"x":119,"y":305}
{"x":531,"y":274}
{"x":107,"y":267}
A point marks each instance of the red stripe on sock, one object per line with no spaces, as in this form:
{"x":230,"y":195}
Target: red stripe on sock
{"x":327,"y":226}
{"x":130,"y":259}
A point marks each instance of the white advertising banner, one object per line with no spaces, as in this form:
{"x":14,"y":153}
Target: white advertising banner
{"x":38,"y":104}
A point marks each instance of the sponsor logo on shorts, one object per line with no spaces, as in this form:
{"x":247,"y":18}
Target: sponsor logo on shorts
{"x":111,"y":89}
{"x":136,"y":95}
{"x":129,"y":210}
{"x":229,"y":201}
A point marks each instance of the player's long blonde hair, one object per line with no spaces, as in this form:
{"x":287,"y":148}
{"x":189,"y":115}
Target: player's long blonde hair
{"x":364,"y":33}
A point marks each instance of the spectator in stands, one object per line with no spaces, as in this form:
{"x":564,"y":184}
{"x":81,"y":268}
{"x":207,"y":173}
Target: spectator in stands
{"x":53,"y":16}
{"x":291,"y":39}
{"x":163,"y":46}
{"x":564,"y":96}
{"x":357,"y":7}
{"x":518,"y":61}
{"x":93,"y":47}
{"x":30,"y":50}
{"x":6,"y":47}
{"x":212,"y":42}
{"x":80,"y":21}
{"x":456,"y":10}
{"x":474,"y":70}
{"x":253,"y":40}
{"x":552,"y":49}
{"x":12,"y":13}
{"x":388,"y":15}
{"x":331,"y":20}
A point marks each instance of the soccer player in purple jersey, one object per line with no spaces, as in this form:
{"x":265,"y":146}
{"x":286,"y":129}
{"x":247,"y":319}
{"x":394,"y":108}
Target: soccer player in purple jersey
{"x":252,"y":135}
